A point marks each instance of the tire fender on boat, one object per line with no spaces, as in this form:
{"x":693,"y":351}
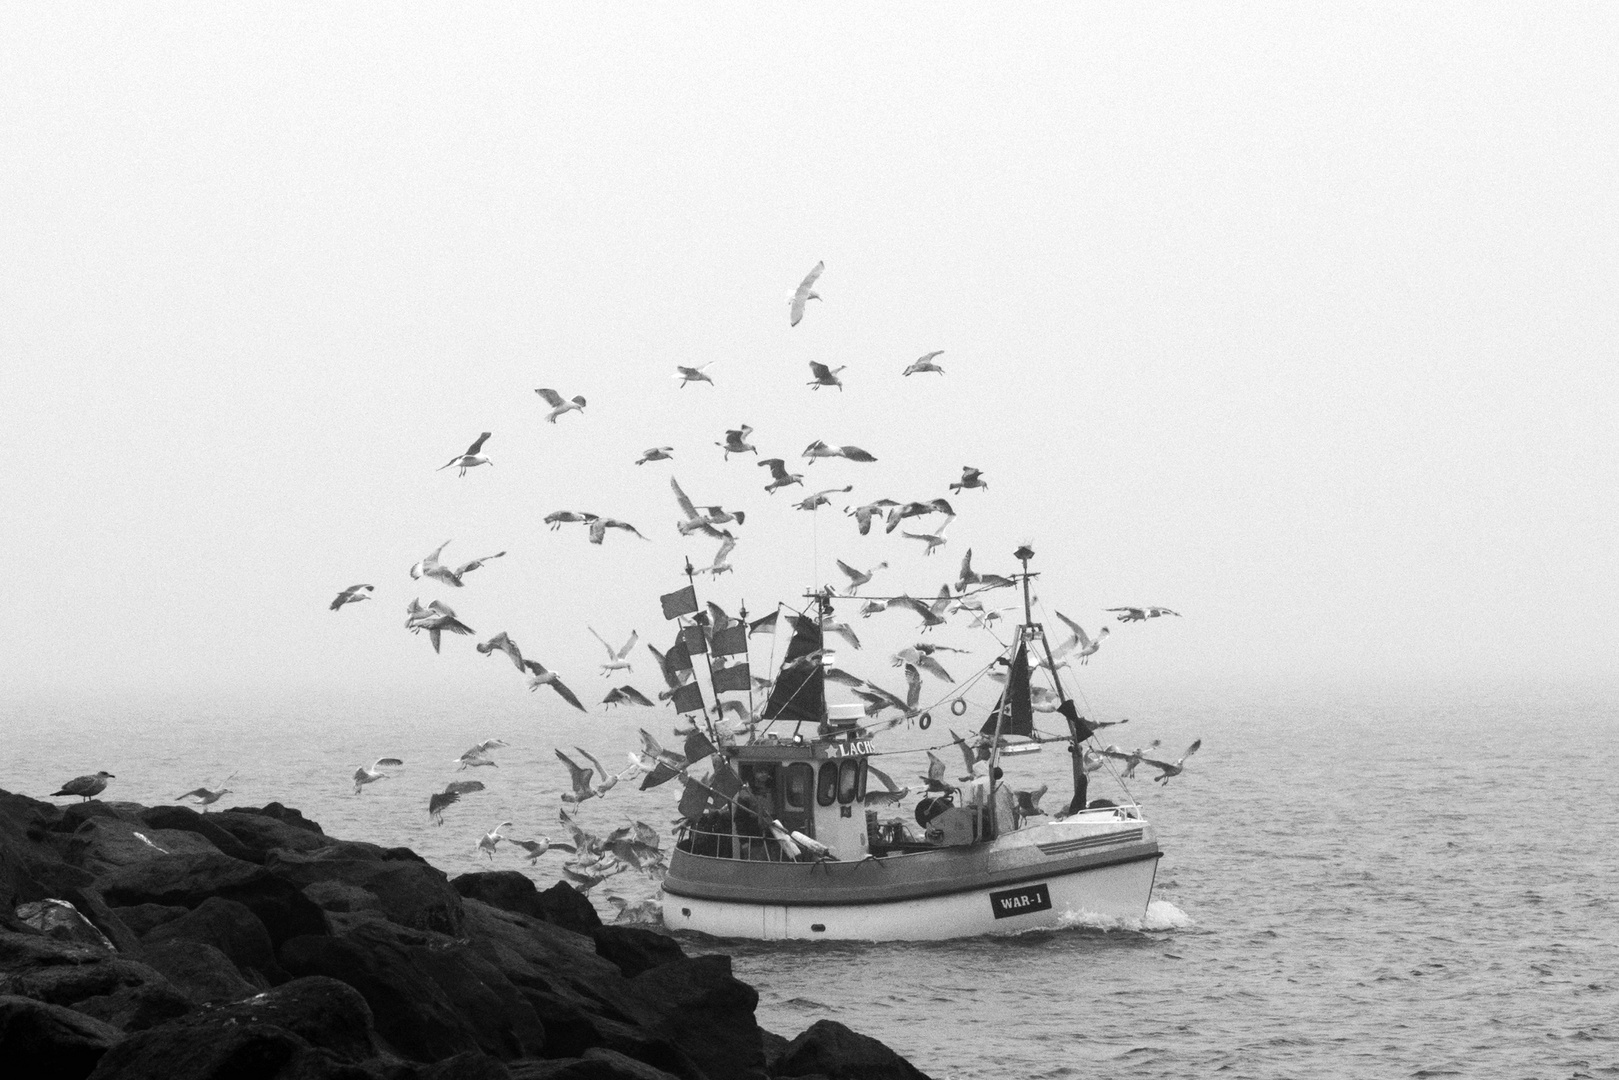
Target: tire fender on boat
{"x":924,"y":721}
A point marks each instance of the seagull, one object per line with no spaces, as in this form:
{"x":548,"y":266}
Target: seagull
{"x":657,"y":453}
{"x":935,"y":774}
{"x":436,"y":804}
{"x":352,"y":595}
{"x":502,"y":643}
{"x":557,"y":518}
{"x":705,"y":521}
{"x":900,"y":511}
{"x":934,"y":539}
{"x":536,"y":848}
{"x":478,"y":755}
{"x":472,"y":458}
{"x":616,"y":658}
{"x":432,"y":568}
{"x":1028,"y":802}
{"x":932,"y":614}
{"x":820,"y":498}
{"x":694,"y":374}
{"x":367,"y":774}
{"x":894,"y":793}
{"x":736,"y":442}
{"x":858,"y":578}
{"x":925,"y":363}
{"x":435,"y":618}
{"x":206,"y":798}
{"x":863,"y":515}
{"x":558,"y":405}
{"x":803,"y":294}
{"x":609,"y":780}
{"x":600,"y":525}
{"x":1171,"y":768}
{"x":625,"y":695}
{"x":580,"y":778}
{"x":819,"y":449}
{"x":970,"y":478}
{"x":842,"y":630}
{"x":923,"y":660}
{"x":721,"y":563}
{"x":85,"y":786}
{"x":825,"y":376}
{"x":1135,"y":614}
{"x":539,"y":677}
{"x":1132,"y":758}
{"x":779,"y":474}
{"x":492,"y":838}
{"x":642,"y":912}
{"x":1086,"y":645}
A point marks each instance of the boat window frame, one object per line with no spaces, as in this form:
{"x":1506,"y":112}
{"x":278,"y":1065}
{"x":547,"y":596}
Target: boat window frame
{"x":826,"y":783}
{"x":848,"y":780}
{"x":801,"y":769}
{"x":860,"y":783}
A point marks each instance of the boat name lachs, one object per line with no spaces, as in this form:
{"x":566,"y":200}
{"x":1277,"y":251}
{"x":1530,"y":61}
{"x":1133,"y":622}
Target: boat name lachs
{"x":856,"y":748}
{"x":1020,"y":901}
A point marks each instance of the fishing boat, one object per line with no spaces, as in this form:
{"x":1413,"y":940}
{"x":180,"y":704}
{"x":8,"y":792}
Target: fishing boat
{"x":795,"y":833}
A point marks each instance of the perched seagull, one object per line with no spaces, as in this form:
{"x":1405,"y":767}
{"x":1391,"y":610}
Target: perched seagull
{"x":625,"y":695}
{"x":352,"y":595}
{"x":693,"y":374}
{"x":206,"y":798}
{"x":435,"y":618}
{"x":925,"y":363}
{"x":471,"y":458}
{"x":803,"y":294}
{"x":820,"y":498}
{"x":539,"y":677}
{"x":430,"y":567}
{"x":1171,"y":768}
{"x":736,"y":442}
{"x":558,"y":405}
{"x":970,"y":478}
{"x":599,"y":527}
{"x":478,"y":755}
{"x":780,"y":477}
{"x":657,"y":453}
{"x":492,"y":838}
{"x":557,"y":518}
{"x":86,"y":786}
{"x":722,"y":557}
{"x":858,"y":578}
{"x":934,"y":539}
{"x":536,"y":848}
{"x":1135,"y":614}
{"x":436,"y":804}
{"x":864,"y":515}
{"x":617,"y":659}
{"x":1132,"y":758}
{"x":502,"y":643}
{"x":369,"y":774}
{"x":825,"y":376}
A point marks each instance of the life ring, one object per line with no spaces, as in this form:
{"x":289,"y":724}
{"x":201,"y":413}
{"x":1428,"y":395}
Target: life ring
{"x":924,"y":721}
{"x":958,"y":706}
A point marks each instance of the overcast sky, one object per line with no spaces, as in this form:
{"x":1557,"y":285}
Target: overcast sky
{"x":1298,"y":319}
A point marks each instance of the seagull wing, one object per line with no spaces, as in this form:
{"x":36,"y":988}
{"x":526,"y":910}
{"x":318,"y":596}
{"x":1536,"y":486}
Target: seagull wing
{"x":552,"y":398}
{"x":381,"y":761}
{"x":611,"y":655}
{"x":456,"y":788}
{"x":686,"y":506}
{"x":567,"y":695}
{"x":579,"y":777}
{"x":1084,"y":639}
{"x":820,"y":371}
{"x":628,"y":645}
{"x":635,"y":695}
{"x":913,"y":687}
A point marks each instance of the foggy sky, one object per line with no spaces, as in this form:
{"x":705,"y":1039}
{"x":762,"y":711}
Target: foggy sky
{"x":1298,"y":321}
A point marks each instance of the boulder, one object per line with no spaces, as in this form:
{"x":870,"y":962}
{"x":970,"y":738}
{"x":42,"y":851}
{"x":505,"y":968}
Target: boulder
{"x":185,"y":819}
{"x":49,"y":1042}
{"x":126,"y":993}
{"x":284,"y":814}
{"x":325,"y":1013}
{"x":188,"y":880}
{"x":336,"y":896}
{"x":201,"y":972}
{"x":700,"y":1007}
{"x":138,"y":1006}
{"x":106,"y":843}
{"x":634,"y":949}
{"x":568,"y":907}
{"x":598,"y":1063}
{"x":142,"y":919}
{"x":61,"y":921}
{"x":94,"y":907}
{"x":409,"y":891}
{"x":472,"y":1065}
{"x":222,"y":1051}
{"x":261,"y":834}
{"x":508,"y":890}
{"x":74,"y":815}
{"x":234,"y":930}
{"x":827,"y":1048}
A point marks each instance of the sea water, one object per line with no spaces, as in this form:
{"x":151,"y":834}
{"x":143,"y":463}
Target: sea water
{"x":1357,"y":881}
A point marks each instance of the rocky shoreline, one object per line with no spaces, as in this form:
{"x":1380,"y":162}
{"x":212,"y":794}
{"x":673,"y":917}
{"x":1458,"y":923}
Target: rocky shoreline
{"x":160,"y":942}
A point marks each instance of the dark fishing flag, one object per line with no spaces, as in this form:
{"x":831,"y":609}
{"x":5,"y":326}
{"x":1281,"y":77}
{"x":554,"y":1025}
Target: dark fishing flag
{"x":693,"y":638}
{"x":688,"y":698}
{"x":800,"y":691}
{"x":735,"y":677}
{"x":695,"y":799}
{"x":697,"y":747}
{"x":731,"y":640}
{"x":680,"y":602}
{"x":1014,"y":712}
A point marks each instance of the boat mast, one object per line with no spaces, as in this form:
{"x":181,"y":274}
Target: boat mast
{"x":1076,"y":746}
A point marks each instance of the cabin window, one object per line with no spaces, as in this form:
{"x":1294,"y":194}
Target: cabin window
{"x":860,"y":783}
{"x":826,"y":788}
{"x":848,"y":779}
{"x":796,"y":794}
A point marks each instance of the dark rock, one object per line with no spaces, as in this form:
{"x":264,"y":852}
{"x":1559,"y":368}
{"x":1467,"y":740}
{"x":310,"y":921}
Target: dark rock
{"x":505,"y":1023}
{"x":105,"y":844}
{"x":325,"y":1013}
{"x":261,"y":834}
{"x":61,"y":921}
{"x":94,"y":907}
{"x":126,"y":993}
{"x":703,"y":1010}
{"x":234,"y":930}
{"x":634,"y":949}
{"x":336,"y":896}
{"x":828,"y":1048}
{"x":50,"y":1042}
{"x":137,"y":1007}
{"x":189,"y":880}
{"x":201,"y":972}
{"x":411,"y":1011}
{"x":185,"y":819}
{"x":472,"y":1065}
{"x":598,"y":1063}
{"x":284,"y":814}
{"x":568,"y":907}
{"x":215,"y":1052}
{"x":508,"y":890}
{"x":142,"y":919}
{"x":774,"y":1047}
{"x":74,"y":815}
{"x":410,"y":892}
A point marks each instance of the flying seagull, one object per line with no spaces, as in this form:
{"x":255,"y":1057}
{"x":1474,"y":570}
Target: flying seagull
{"x":819,"y":449}
{"x":625,"y":695}
{"x":502,"y":643}
{"x":369,"y":774}
{"x":85,"y":786}
{"x":617,"y":659}
{"x":492,"y":838}
{"x":858,"y":578}
{"x":579,"y":778}
{"x":557,"y":518}
{"x":437,"y":803}
{"x":657,"y":453}
{"x":536,"y":848}
{"x":205,"y":797}
{"x":925,"y":363}
{"x":934,"y":539}
{"x":722,"y":557}
{"x":352,"y":595}
{"x":736,"y":441}
{"x":802,"y":294}
{"x":970,"y":478}
{"x":435,"y":618}
{"x":694,"y":374}
{"x":471,"y":458}
{"x":863,"y":515}
{"x":451,"y":575}
{"x":599,"y":527}
{"x":1135,"y":614}
{"x":900,"y":511}
{"x":558,"y":404}
{"x":539,"y":677}
{"x":1132,"y":758}
{"x":1171,"y":768}
{"x":820,"y":498}
{"x":479,"y":755}
{"x":825,"y":376}
{"x":780,"y":477}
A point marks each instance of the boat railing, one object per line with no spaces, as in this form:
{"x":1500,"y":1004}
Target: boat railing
{"x":731,"y":845}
